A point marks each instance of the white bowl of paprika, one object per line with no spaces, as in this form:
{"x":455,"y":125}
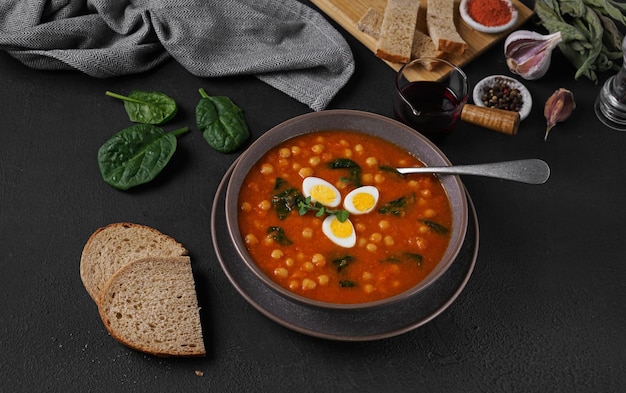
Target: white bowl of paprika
{"x":489,"y":16}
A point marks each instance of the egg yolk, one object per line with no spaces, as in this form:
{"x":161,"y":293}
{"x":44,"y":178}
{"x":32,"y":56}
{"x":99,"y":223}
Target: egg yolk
{"x":363,"y":201}
{"x":341,"y":229}
{"x":322,"y":194}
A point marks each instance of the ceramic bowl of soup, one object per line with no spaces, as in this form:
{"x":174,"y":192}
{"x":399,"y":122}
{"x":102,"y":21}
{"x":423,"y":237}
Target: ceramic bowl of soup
{"x":317,"y":211}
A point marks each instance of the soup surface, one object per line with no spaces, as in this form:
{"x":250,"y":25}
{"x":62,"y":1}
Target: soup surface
{"x":397,"y":244}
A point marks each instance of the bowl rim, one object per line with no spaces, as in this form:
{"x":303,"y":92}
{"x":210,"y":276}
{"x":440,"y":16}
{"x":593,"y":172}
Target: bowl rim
{"x":488,"y":29}
{"x":275,"y":136}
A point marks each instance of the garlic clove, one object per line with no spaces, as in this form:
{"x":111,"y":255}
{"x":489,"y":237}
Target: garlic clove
{"x":558,"y":108}
{"x":528,"y":54}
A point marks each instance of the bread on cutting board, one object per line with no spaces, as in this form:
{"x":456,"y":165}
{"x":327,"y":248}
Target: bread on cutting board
{"x":441,"y":27}
{"x":397,"y":30}
{"x":422,"y":46}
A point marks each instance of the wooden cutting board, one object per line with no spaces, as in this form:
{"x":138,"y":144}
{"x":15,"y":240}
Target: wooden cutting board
{"x":348,"y":12}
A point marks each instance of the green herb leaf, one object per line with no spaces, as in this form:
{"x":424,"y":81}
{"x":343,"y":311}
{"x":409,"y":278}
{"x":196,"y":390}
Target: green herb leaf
{"x":405,"y":257}
{"x":222,"y":123}
{"x":136,"y":155}
{"x":147,"y":107}
{"x":305,"y":206}
{"x":279,"y":236}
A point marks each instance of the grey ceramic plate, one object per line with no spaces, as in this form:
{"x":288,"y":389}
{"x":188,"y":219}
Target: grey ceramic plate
{"x":343,"y":325}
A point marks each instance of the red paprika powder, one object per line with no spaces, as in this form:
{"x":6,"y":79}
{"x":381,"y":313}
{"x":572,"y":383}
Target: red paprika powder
{"x":489,"y":12}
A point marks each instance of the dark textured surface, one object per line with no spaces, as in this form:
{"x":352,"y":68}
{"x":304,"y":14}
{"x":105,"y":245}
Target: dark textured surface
{"x":543,"y":310}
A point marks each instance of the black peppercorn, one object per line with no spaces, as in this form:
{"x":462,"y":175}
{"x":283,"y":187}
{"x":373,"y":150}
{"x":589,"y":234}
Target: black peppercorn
{"x":502,"y":96}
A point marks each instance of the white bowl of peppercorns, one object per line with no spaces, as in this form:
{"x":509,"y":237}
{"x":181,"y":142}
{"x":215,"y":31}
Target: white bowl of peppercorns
{"x":503,"y":92}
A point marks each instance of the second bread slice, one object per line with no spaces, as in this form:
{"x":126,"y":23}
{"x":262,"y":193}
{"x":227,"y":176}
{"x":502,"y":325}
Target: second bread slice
{"x":398,"y":30}
{"x":150,"y":305}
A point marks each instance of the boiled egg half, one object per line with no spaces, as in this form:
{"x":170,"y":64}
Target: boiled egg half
{"x":361,"y":200}
{"x":321,"y":191}
{"x":341,"y":233}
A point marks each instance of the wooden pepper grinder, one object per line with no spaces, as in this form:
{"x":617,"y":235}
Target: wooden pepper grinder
{"x":506,"y":122}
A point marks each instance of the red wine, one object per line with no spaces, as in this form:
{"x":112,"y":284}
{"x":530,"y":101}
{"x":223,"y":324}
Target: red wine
{"x":439,"y":107}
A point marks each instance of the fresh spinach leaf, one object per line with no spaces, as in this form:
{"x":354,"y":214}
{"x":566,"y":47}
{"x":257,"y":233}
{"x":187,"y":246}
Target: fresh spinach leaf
{"x":279,"y":236}
{"x":136,"y":155}
{"x":222,"y":123}
{"x":147,"y":107}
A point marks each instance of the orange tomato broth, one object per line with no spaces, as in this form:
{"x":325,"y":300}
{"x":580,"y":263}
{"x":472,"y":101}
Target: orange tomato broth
{"x":385,"y":260}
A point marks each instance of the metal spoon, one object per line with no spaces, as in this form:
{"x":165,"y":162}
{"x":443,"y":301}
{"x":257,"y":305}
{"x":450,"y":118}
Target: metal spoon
{"x":531,"y":171}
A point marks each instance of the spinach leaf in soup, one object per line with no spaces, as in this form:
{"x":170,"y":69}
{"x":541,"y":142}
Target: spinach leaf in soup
{"x":222,"y":122}
{"x":354,"y":170}
{"x":147,"y":107}
{"x":136,"y":155}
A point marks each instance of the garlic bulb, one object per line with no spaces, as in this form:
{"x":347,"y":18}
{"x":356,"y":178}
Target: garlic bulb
{"x":558,"y":108}
{"x":528,"y":54}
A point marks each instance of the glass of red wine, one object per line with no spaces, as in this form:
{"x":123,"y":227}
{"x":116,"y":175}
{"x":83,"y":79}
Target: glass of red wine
{"x":430,"y":95}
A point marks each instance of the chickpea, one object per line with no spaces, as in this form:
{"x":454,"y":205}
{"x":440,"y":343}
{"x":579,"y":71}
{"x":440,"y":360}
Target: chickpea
{"x":430,"y":213}
{"x":264,"y":205}
{"x":371,"y":247}
{"x":379,"y":178}
{"x":308,"y":266}
{"x":281,"y":272}
{"x":308,"y":284}
{"x":251,"y":239}
{"x":318,"y":148}
{"x":246,"y":207}
{"x":368,"y":288}
{"x":284,"y":153}
{"x":305,"y":172}
{"x":277,"y":254}
{"x":294,"y":284}
{"x":383,"y":225}
{"x":376,"y":237}
{"x":267,"y":169}
{"x":315,"y":160}
{"x":318,"y":259}
{"x":289,"y":262}
{"x":359,"y":148}
{"x":295,"y":150}
{"x":371,"y":161}
{"x":307,"y":233}
{"x":323,"y":279}
{"x":367,"y":178}
{"x":388,"y":241}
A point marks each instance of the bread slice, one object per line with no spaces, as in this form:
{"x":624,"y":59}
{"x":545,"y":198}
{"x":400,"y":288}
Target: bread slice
{"x":397,"y":30}
{"x":370,"y":23}
{"x":422,"y":46}
{"x":111,"y":247}
{"x":150,"y":305}
{"x":441,"y":27}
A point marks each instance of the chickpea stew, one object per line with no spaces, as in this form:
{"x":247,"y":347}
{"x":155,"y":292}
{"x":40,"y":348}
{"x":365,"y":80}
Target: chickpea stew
{"x":398,"y":242}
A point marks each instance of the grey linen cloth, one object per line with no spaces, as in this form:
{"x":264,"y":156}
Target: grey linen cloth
{"x":283,"y":42}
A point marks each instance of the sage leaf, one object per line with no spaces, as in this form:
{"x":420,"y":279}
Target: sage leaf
{"x":136,"y":155}
{"x":222,"y":123}
{"x":147,"y":107}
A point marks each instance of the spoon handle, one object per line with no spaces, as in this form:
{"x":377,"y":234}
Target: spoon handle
{"x":531,"y":171}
